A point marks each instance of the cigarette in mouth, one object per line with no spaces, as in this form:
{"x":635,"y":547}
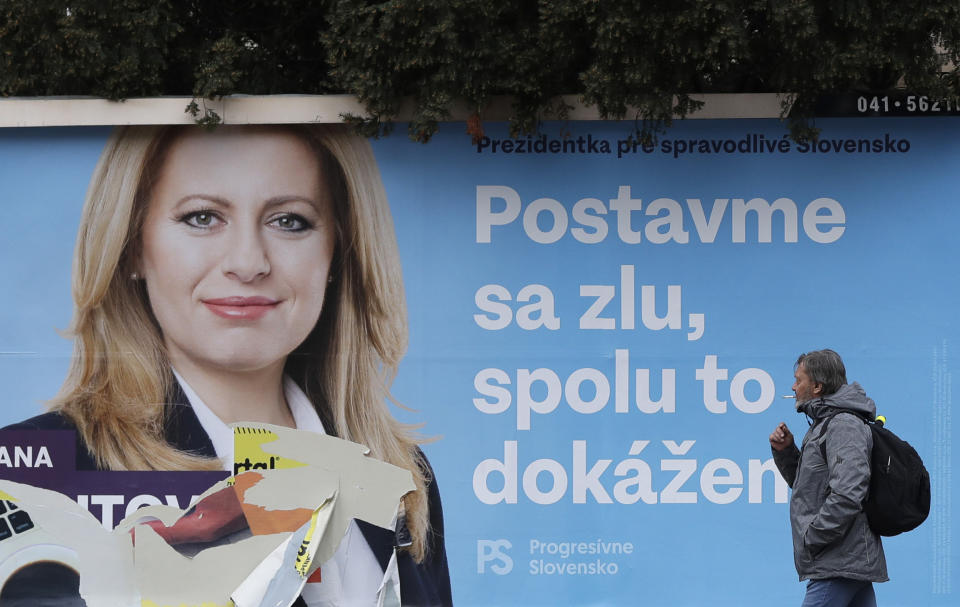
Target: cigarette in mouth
{"x":789,"y":396}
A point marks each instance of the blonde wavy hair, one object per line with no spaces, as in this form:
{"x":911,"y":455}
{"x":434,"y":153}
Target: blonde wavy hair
{"x":119,"y":385}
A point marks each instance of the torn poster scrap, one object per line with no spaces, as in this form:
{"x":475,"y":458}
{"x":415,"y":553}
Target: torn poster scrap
{"x":254,"y":539}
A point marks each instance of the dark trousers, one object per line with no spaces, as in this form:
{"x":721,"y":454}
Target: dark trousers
{"x":839,"y":592}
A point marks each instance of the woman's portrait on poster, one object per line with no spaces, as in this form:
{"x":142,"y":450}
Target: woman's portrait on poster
{"x":247,"y":274}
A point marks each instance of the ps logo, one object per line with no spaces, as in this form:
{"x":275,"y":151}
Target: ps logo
{"x":495,"y":553}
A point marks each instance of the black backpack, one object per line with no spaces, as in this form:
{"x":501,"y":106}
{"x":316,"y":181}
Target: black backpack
{"x":899,"y":496}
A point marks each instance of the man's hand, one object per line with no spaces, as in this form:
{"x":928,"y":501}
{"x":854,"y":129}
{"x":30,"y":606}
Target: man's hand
{"x":781,"y":437}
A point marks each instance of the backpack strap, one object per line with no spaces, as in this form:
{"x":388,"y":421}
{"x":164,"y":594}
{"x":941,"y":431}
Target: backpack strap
{"x":823,"y":431}
{"x":826,"y":422}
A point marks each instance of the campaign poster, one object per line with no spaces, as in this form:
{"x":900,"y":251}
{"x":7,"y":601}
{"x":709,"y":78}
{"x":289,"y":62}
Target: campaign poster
{"x":602,"y":336}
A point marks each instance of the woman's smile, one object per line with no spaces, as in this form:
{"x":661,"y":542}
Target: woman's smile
{"x":241,"y":308}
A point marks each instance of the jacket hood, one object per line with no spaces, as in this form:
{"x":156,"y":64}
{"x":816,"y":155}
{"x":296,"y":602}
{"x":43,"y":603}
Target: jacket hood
{"x":850,"y":397}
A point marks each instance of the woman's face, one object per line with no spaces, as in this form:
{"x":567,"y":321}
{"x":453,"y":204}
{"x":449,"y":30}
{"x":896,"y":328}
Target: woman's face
{"x":236,"y":248}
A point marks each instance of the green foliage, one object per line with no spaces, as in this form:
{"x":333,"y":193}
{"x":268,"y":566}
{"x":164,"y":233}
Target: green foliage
{"x":84,"y":47}
{"x":633,"y":60}
{"x":861,"y":45}
{"x":205,"y":117}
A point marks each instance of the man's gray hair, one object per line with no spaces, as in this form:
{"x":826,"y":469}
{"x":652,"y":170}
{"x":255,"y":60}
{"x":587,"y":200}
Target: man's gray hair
{"x":824,"y":367}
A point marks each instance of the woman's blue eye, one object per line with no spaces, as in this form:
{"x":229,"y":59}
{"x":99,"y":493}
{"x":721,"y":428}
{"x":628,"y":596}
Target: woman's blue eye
{"x":199,"y":219}
{"x":203,"y":219}
{"x":291,"y":222}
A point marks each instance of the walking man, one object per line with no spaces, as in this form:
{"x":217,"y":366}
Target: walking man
{"x":833,"y":546}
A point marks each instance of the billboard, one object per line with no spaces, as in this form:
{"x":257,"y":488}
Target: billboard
{"x":602,"y":334}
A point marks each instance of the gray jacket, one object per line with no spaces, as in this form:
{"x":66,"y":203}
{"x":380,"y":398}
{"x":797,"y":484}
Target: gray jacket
{"x":831,"y":537}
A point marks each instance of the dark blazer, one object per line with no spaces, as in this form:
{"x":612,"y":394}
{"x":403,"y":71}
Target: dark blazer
{"x":425,"y":584}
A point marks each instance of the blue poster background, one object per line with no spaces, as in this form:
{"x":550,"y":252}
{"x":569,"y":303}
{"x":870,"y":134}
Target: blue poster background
{"x":558,"y":487}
